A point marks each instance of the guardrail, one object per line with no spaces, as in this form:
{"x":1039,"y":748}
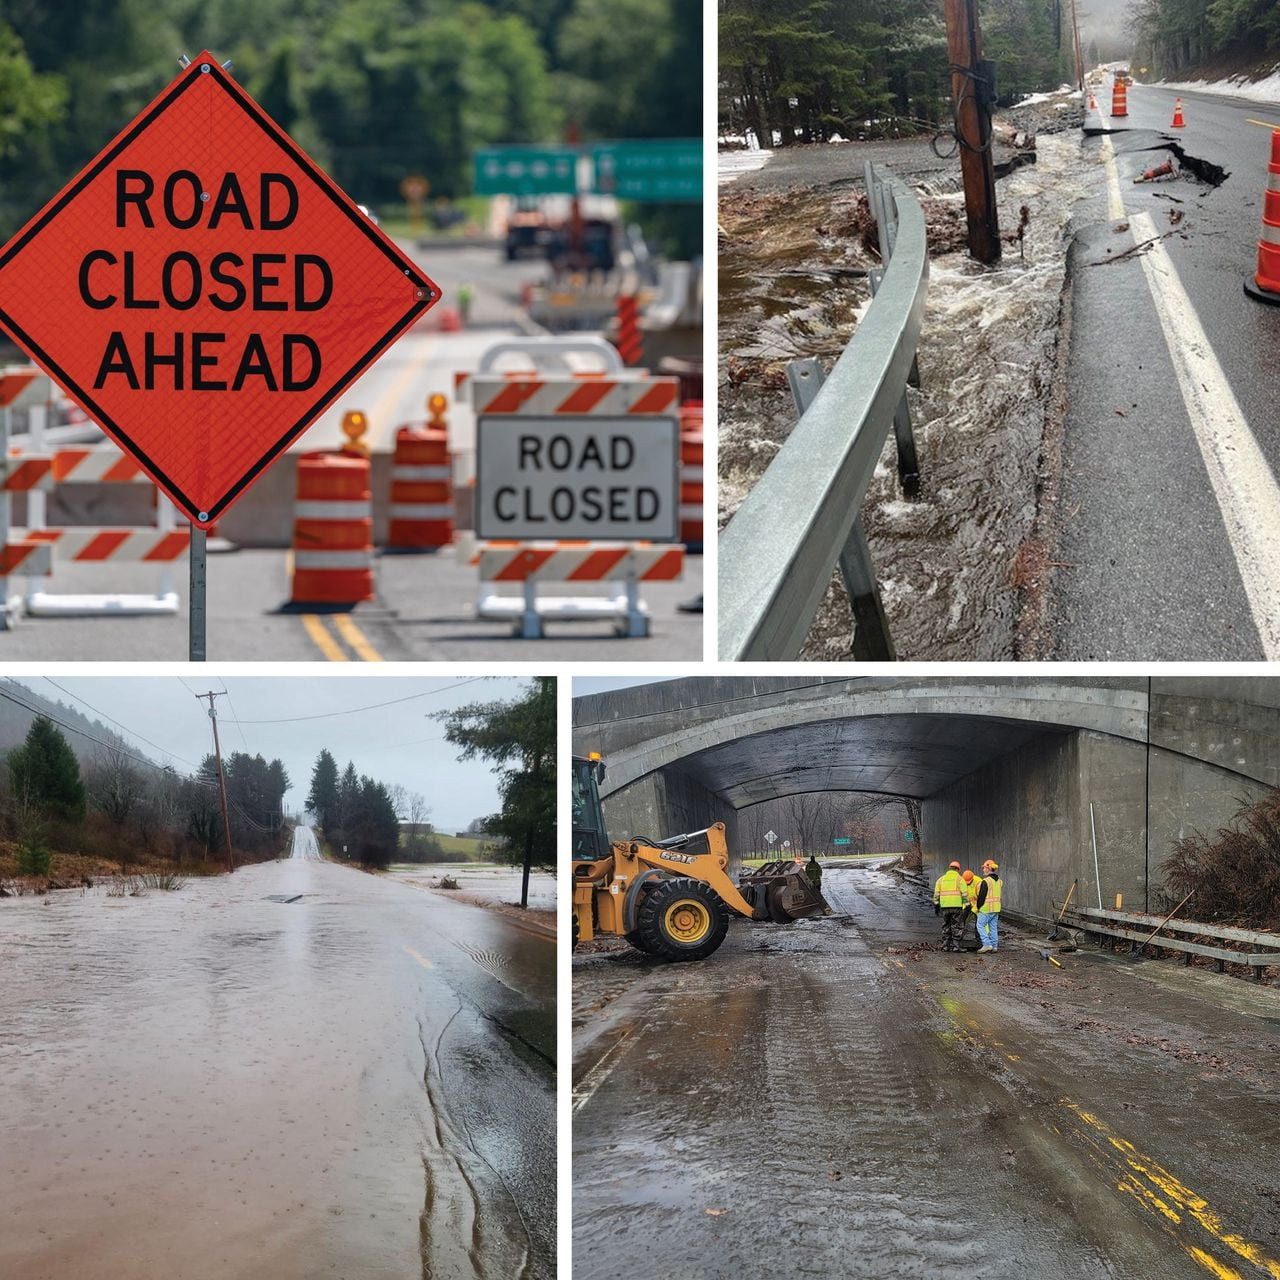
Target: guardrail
{"x":803,"y":516}
{"x":1264,"y":953}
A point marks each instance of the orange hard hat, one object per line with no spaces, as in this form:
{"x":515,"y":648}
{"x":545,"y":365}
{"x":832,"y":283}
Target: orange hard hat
{"x":968,"y":875}
{"x":956,"y":865}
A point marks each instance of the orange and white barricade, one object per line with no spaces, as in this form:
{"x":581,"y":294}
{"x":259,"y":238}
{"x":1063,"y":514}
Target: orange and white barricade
{"x":161,"y":544}
{"x":691,"y":489}
{"x":531,"y":563}
{"x":577,"y":481}
{"x":333,"y":530}
{"x":421,"y":510}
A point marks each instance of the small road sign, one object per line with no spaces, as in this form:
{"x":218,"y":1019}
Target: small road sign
{"x":770,"y":836}
{"x":203,"y":291}
{"x":650,"y":170}
{"x":786,"y":844}
{"x":574,"y":459}
{"x":526,"y":171}
{"x":841,"y":840}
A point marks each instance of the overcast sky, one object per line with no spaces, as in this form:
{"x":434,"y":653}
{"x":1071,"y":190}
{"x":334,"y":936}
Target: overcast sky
{"x":394,"y":744}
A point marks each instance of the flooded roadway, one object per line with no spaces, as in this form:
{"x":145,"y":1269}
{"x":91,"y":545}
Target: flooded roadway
{"x":836,"y":1099}
{"x":302,"y":1071}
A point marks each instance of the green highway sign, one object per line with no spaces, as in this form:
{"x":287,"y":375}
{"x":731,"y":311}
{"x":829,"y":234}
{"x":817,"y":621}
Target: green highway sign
{"x":650,"y":170}
{"x":841,"y":840}
{"x":526,"y":171}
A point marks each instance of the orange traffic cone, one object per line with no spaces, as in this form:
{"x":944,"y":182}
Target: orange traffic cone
{"x":1265,"y":284}
{"x":1093,"y":103}
{"x":1119,"y":99}
{"x":1178,"y":121}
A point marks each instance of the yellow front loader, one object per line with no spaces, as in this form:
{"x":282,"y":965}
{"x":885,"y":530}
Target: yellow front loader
{"x":670,"y":898}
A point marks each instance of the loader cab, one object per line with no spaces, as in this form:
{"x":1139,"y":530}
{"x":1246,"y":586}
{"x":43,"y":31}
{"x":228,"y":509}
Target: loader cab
{"x":590,"y":839}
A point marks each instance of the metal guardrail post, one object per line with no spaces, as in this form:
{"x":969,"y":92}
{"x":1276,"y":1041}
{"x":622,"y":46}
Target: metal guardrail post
{"x":879,"y":201}
{"x":794,"y":527}
{"x":872,"y":641}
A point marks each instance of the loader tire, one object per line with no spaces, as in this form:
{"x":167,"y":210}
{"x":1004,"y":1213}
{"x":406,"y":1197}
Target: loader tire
{"x":681,"y":919}
{"x":637,"y":941}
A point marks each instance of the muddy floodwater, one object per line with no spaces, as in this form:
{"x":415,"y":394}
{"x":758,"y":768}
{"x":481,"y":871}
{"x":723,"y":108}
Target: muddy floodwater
{"x":484,"y":882}
{"x":297,"y":1071}
{"x":838,"y":1097}
{"x":956,"y":563}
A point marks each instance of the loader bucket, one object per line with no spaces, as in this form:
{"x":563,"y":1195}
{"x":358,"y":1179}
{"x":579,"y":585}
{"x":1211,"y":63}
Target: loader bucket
{"x":781,"y":892}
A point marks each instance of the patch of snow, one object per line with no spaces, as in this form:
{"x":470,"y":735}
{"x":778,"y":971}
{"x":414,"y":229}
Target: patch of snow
{"x":1265,"y":90}
{"x":1032,"y":98}
{"x":731,"y":165}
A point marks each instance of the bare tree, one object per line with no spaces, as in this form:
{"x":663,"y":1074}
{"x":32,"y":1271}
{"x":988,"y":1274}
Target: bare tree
{"x":114,"y":785}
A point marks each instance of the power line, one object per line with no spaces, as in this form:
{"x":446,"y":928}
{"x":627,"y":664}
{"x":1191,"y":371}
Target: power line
{"x":233,"y":717}
{"x":351,"y":711}
{"x":85,"y":702}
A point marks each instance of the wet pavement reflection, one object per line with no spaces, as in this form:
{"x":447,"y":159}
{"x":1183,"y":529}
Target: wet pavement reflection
{"x":300,"y":1071}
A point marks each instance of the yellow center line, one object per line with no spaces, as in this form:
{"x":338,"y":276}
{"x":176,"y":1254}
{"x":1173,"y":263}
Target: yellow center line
{"x":422,"y":960}
{"x":384,"y":407}
{"x":345,"y":625}
{"x":1177,"y":1195}
{"x":1266,"y":124}
{"x":322,"y":639}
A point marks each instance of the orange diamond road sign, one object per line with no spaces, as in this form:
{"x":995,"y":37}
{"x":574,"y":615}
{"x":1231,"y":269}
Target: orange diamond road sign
{"x":203,"y":291}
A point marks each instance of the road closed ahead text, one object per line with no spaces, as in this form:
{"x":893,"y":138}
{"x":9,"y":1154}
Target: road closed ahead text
{"x":576,"y":478}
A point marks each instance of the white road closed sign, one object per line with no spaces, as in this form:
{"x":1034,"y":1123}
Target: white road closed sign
{"x":587,"y":459}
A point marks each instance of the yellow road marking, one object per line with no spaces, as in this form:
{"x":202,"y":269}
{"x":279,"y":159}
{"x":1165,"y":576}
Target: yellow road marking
{"x":345,"y":625}
{"x":288,"y":565}
{"x":386,"y":402}
{"x":322,"y":639}
{"x":1266,"y":124}
{"x":1211,"y":1264}
{"x":1178,"y":1194}
{"x":422,"y":960}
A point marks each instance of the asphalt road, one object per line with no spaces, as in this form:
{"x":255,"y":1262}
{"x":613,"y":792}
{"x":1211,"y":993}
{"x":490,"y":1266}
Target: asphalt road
{"x":218,"y":1083}
{"x":837,"y":1098}
{"x":424,"y":611}
{"x":1168,"y":513}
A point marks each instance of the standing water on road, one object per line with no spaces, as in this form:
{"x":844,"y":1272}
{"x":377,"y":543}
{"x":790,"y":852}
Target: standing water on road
{"x":299,"y":1071}
{"x":305,"y":847}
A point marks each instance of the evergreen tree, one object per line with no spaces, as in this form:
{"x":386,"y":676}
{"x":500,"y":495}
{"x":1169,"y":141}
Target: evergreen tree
{"x":46,"y":774}
{"x":322,"y":799}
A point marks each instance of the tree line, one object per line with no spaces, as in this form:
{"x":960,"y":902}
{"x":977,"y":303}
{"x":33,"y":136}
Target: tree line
{"x":366,"y":821}
{"x":805,"y":70}
{"x":120,"y":806}
{"x":356,"y":814}
{"x":1175,"y":36}
{"x":372,"y":89}
{"x":872,"y":823}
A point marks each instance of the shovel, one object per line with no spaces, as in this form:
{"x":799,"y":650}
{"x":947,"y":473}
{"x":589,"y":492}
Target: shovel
{"x":1053,"y":936}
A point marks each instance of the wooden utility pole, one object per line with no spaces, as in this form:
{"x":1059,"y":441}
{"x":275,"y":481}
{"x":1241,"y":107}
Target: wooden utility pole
{"x":222,"y":781}
{"x":970,"y":97}
{"x":1075,"y":29}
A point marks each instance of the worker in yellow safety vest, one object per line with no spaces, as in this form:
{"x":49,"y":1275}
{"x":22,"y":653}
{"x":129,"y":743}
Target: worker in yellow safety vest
{"x":971,"y":883}
{"x":949,"y":897}
{"x":988,"y":907}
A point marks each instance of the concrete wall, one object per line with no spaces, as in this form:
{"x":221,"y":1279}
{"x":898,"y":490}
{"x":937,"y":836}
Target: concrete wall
{"x":1023,"y":811}
{"x":1030,"y":811}
{"x":668,"y":803}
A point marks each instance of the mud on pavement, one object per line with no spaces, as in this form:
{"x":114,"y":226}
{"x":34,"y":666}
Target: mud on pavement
{"x":837,"y":1097}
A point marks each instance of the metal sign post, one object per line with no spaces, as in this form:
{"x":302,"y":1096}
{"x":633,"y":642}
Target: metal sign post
{"x":196,"y":555}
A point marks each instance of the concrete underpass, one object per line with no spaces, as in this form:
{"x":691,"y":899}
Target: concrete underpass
{"x":837,"y":1097}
